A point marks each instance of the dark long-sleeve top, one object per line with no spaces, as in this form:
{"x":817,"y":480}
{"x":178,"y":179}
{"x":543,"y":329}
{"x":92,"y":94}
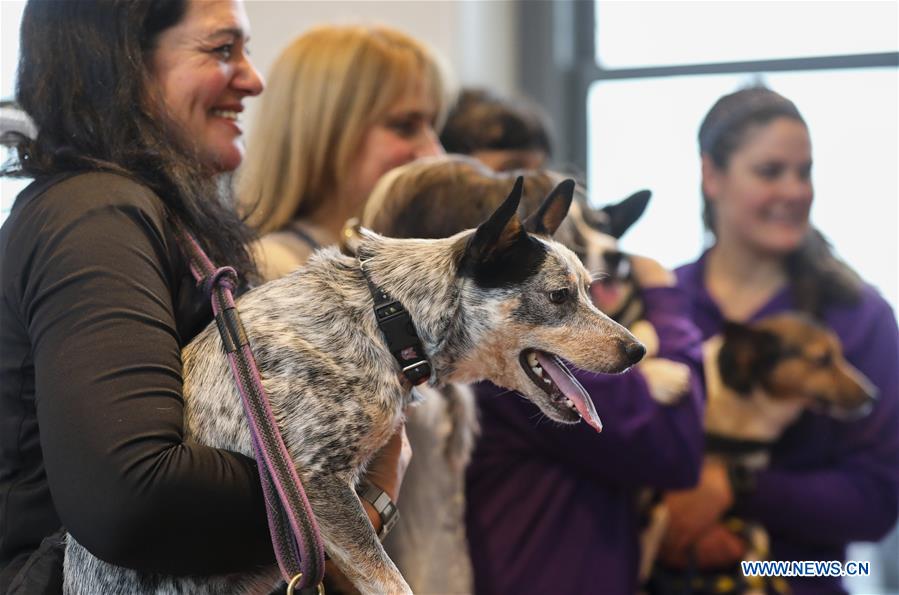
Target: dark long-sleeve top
{"x":97,"y":303}
{"x":553,"y":508}
{"x":829,"y":482}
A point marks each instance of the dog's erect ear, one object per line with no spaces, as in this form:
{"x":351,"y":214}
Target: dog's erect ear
{"x":746,"y":356}
{"x":625,"y":213}
{"x":501,"y":230}
{"x":546,"y":220}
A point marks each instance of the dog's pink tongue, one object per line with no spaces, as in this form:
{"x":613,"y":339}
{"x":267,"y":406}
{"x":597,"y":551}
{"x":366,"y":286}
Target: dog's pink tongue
{"x":570,"y":387}
{"x":605,"y":295}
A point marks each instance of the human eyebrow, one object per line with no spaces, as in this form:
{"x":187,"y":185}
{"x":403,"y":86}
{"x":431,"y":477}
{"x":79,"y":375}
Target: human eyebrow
{"x":769,"y":169}
{"x":407,"y":114}
{"x":233,"y":32}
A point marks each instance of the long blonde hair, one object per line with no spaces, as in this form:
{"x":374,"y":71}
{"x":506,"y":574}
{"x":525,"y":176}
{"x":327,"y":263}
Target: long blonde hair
{"x":325,"y":91}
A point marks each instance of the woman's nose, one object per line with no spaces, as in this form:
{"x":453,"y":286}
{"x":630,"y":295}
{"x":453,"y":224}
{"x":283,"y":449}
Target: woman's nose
{"x":428,"y":144}
{"x":248,"y":79}
{"x":798,"y":191}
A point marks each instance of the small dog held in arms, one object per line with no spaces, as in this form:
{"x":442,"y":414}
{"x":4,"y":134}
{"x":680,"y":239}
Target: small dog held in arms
{"x":760,"y":377}
{"x":594,"y":235}
{"x":502,"y":302}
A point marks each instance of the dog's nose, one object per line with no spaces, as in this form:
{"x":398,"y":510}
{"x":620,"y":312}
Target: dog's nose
{"x":633,"y":351}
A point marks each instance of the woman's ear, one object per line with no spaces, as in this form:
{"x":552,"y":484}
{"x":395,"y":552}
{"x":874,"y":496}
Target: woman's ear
{"x":711,"y":178}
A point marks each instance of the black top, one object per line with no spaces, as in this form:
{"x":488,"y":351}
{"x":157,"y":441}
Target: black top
{"x":97,"y":303}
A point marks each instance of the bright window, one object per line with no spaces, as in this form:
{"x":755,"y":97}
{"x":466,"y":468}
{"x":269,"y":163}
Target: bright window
{"x":643,"y":135}
{"x":10,"y":16}
{"x":637,"y":34}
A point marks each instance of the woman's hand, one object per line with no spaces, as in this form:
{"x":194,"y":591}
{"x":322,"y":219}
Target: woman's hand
{"x":388,"y":467}
{"x":386,"y":471}
{"x":719,"y":547}
{"x":649,"y":273}
{"x":693,"y":512}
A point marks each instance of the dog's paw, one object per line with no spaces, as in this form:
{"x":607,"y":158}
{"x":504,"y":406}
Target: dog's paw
{"x":667,"y":380}
{"x":651,"y":540}
{"x":646,"y":334}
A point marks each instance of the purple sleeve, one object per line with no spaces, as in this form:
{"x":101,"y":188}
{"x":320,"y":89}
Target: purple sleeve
{"x":858,"y":493}
{"x":642,"y":443}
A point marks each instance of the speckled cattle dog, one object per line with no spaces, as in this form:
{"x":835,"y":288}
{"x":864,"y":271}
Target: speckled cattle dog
{"x":503,"y":302}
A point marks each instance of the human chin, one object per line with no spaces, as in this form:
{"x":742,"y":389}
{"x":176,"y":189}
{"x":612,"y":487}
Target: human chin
{"x":790,"y":230}
{"x":782,"y":241}
{"x":224,"y":154}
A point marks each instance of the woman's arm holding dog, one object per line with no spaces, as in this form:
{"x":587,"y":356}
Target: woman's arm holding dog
{"x":108,"y":387}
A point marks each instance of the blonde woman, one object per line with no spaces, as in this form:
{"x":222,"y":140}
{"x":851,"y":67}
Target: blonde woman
{"x":345,"y":104}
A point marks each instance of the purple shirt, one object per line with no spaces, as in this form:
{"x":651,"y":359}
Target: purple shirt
{"x":829,"y":482}
{"x":552,"y":508}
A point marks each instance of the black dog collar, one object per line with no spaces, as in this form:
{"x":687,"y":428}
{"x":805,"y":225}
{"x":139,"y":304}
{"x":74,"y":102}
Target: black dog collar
{"x":399,"y":333}
{"x":718,"y":444}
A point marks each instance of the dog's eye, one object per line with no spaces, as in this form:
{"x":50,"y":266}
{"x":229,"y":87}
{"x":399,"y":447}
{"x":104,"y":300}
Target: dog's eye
{"x":558,"y":296}
{"x":825,"y":360}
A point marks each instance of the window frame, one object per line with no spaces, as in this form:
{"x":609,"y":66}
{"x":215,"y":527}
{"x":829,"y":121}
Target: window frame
{"x":557,"y":69}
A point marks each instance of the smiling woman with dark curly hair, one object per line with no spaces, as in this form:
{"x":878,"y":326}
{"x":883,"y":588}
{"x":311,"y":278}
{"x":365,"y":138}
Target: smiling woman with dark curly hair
{"x":137,"y":107}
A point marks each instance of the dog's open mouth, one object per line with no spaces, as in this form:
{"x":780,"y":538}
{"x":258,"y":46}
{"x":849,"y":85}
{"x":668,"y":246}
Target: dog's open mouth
{"x":549,"y":373}
{"x":844,"y":413}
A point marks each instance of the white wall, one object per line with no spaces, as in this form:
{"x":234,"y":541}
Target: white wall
{"x":475,"y":39}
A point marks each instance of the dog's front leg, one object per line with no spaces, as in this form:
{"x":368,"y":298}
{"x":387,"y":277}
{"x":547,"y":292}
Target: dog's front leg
{"x":350,"y":539}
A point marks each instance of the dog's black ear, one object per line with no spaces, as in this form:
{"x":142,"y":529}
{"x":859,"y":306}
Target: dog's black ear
{"x":502,"y":229}
{"x":746,"y":356}
{"x":625,"y":213}
{"x":546,"y":220}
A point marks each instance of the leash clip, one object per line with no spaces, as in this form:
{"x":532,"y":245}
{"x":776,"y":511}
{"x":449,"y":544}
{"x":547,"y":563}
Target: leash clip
{"x":292,"y":586}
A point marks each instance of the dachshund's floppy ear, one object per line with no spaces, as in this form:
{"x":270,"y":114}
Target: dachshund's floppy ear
{"x":546,"y":220}
{"x":501,"y":230}
{"x":746,"y":356}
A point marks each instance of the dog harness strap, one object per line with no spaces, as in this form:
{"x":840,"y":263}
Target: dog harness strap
{"x":734,"y":446}
{"x":305,"y":237}
{"x":399,"y":333}
{"x":295,"y":535}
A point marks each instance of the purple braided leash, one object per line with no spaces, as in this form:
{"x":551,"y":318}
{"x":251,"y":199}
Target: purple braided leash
{"x":295,"y":535}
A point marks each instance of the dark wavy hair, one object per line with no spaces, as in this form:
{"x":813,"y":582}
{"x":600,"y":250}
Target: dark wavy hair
{"x":84,"y":79}
{"x":817,"y":277}
{"x":481,"y":120}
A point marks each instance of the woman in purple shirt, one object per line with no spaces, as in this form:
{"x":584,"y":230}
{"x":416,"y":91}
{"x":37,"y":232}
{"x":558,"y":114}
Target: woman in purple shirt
{"x":829,"y":482}
{"x":557,"y":509}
